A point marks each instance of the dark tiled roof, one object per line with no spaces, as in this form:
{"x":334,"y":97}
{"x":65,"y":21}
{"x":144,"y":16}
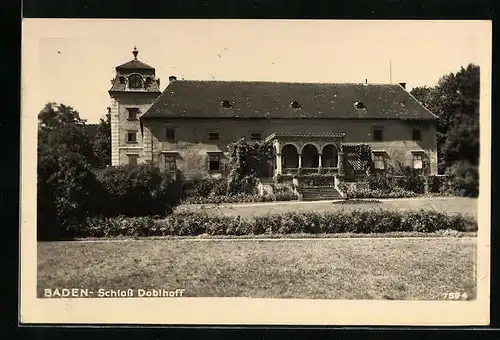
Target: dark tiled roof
{"x":202,"y":99}
{"x":134,"y":65}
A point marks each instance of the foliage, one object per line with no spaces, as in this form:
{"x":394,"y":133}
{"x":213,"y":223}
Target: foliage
{"x":355,"y":221}
{"x":60,"y":127}
{"x":209,"y":186}
{"x":102,"y":142}
{"x":462,"y":180}
{"x":66,"y":192}
{"x":361,"y":152}
{"x":139,"y":190}
{"x":247,"y":161}
{"x":66,"y":186}
{"x":395,"y":192}
{"x":241,"y":198}
{"x":436,"y":184}
{"x":455,"y":100}
{"x":400,"y":176}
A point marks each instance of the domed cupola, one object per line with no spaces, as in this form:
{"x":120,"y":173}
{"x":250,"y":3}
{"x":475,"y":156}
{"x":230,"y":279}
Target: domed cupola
{"x":135,"y":76}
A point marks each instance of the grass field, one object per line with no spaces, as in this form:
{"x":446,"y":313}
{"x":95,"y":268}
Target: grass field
{"x":446,"y":204}
{"x":331,"y":268}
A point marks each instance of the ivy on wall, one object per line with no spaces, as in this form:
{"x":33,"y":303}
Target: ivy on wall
{"x":248,"y":160}
{"x":361,"y":153}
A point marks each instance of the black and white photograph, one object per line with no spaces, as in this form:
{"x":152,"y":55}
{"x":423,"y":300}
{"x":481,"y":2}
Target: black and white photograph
{"x":255,"y":172}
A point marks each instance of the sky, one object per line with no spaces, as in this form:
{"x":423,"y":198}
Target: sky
{"x":72,"y":61}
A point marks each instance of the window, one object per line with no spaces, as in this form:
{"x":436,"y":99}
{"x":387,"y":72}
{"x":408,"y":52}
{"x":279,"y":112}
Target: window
{"x":379,"y":161}
{"x":132,"y":113}
{"x":135,"y":81}
{"x":213,"y":135}
{"x":418,"y":161}
{"x":225,"y":103}
{"x":416,"y":135}
{"x":256,"y":136}
{"x":122,"y":80}
{"x":170,"y":163}
{"x":214,"y":163}
{"x":378,"y":134}
{"x":170,"y":134}
{"x":132,"y":137}
{"x":132,"y":159}
{"x":359,"y":105}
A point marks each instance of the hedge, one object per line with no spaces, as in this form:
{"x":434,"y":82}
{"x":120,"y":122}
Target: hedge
{"x":395,"y":192}
{"x":142,"y":190}
{"x":240,"y":198}
{"x":355,"y":221}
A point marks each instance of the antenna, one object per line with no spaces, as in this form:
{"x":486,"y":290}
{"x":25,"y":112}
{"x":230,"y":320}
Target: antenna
{"x":390,"y":71}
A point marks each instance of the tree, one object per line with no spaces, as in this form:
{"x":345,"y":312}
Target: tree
{"x":102,"y":142}
{"x":66,"y":185}
{"x":455,"y":100}
{"x":61,"y":128}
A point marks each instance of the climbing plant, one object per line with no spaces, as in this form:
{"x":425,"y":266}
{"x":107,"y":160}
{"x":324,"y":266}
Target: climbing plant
{"x":247,"y":161}
{"x":361,"y":153}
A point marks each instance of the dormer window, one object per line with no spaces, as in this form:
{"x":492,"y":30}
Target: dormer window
{"x":295,"y":104}
{"x":225,"y":103}
{"x":135,"y":82}
{"x":359,"y":105}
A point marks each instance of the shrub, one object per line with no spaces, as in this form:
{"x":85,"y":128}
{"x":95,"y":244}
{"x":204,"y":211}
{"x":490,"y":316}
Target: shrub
{"x":68,"y":192}
{"x":209,"y":186}
{"x":395,"y":192}
{"x":405,"y":178}
{"x":462,"y":180}
{"x":141,"y":190}
{"x":356,"y":221}
{"x":240,"y":198}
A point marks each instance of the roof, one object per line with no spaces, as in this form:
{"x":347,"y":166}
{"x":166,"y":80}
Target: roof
{"x":134,"y":65}
{"x":202,"y":99}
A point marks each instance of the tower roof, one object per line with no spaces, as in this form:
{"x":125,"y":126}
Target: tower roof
{"x":134,"y":64}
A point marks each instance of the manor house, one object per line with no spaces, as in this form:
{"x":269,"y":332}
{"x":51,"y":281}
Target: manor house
{"x":189,"y":124}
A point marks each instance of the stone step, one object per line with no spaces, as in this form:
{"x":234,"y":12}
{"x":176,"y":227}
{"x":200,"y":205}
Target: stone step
{"x":320,"y":193}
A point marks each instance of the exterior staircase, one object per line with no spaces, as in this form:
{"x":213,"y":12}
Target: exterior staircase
{"x":318,"y":193}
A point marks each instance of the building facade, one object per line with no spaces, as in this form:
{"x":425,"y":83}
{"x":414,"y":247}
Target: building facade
{"x":311,"y":125}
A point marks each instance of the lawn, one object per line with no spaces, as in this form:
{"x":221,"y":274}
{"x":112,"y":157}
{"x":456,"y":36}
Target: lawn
{"x":446,"y":204}
{"x":327,"y":268}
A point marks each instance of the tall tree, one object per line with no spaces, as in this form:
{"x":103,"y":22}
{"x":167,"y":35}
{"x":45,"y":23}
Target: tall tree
{"x":60,"y":128}
{"x":66,"y":185}
{"x":455,"y":100}
{"x":102,"y":142}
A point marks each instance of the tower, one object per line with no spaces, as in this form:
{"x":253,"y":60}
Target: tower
{"x":134,"y":89}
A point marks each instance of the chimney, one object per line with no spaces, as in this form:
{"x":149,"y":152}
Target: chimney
{"x":403,"y":85}
{"x":172,"y":78}
{"x":158,"y":81}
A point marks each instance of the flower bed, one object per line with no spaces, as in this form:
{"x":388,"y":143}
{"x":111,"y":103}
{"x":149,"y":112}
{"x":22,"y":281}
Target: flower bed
{"x":356,"y":221}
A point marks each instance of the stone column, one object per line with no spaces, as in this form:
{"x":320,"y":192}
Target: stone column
{"x":279,"y":165}
{"x":341,"y":163}
{"x":320,"y":162}
{"x":300,"y":160}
